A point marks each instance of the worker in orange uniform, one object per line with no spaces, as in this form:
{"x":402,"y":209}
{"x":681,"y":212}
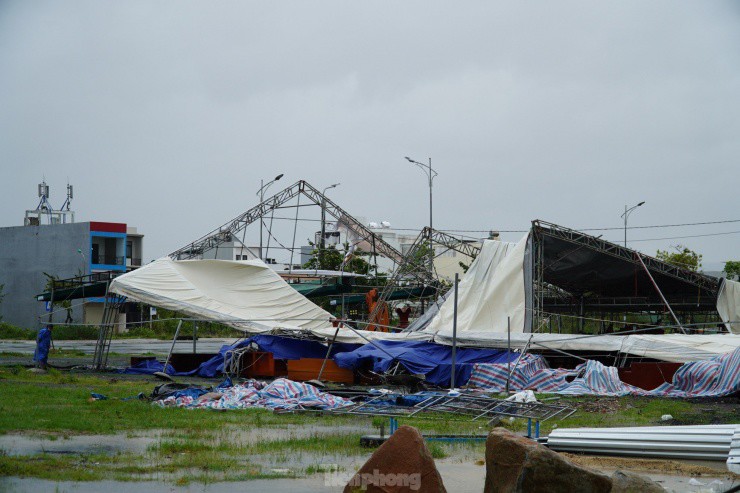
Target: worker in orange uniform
{"x":381,"y":314}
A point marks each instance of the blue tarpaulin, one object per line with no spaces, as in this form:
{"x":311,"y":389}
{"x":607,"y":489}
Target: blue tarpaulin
{"x":432,"y":360}
{"x":149,"y":366}
{"x":280,"y":347}
{"x":43,"y":343}
{"x":285,"y":348}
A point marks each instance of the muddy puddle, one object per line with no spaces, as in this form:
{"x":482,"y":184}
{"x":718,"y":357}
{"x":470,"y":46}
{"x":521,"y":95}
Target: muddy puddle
{"x":309,"y":485}
{"x":284,"y":460}
{"x":143,"y":441}
{"x":17,"y":444}
{"x":249,"y":436}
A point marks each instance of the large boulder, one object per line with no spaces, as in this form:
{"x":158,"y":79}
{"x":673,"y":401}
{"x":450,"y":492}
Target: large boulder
{"x":402,"y":464}
{"x":627,"y":482}
{"x":518,"y":464}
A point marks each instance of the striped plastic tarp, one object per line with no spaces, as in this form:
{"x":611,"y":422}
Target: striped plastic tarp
{"x":280,"y":394}
{"x":712,"y":378}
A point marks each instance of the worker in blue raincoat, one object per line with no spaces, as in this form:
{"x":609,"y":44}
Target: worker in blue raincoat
{"x":43,"y":343}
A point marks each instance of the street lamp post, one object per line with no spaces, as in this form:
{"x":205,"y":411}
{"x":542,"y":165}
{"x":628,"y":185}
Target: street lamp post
{"x":625,"y":215}
{"x":427,"y":169}
{"x":261,"y":194}
{"x":323,"y":222}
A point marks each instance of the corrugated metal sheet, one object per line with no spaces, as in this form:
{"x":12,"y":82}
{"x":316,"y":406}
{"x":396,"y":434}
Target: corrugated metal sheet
{"x":733,"y":461}
{"x":712,"y":442}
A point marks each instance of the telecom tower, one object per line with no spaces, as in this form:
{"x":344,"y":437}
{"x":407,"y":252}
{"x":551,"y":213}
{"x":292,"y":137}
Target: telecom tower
{"x":44,"y":213}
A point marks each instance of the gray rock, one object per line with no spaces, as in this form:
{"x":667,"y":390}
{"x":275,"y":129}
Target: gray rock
{"x":516,"y":464}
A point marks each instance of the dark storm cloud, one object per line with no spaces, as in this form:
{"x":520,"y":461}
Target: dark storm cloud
{"x":166,"y":115}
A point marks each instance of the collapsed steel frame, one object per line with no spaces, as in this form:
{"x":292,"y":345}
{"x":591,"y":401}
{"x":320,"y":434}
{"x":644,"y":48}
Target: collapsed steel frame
{"x":548,"y":299}
{"x":408,"y":267}
{"x":415,"y":265}
{"x":474,"y":407}
{"x":231,"y":229}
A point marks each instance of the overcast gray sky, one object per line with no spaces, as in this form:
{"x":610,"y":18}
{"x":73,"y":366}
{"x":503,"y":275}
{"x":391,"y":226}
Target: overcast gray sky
{"x":165,"y":115}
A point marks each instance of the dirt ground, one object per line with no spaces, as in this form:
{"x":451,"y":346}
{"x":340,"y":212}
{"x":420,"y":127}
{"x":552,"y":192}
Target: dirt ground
{"x":669,"y":467}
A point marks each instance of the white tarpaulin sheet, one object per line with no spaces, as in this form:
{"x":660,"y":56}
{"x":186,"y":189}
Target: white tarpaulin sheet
{"x":491,"y":291}
{"x":363,"y":336}
{"x":246,"y":295}
{"x":728,"y":305}
{"x":676,"y":348}
{"x":250,"y":296}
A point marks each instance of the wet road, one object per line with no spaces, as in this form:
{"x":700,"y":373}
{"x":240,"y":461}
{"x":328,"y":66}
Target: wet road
{"x":123,"y":346}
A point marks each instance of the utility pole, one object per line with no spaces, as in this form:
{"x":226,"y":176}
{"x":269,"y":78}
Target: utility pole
{"x":261,"y":195}
{"x":427,"y":169}
{"x":323,"y":223}
{"x":626,"y":214}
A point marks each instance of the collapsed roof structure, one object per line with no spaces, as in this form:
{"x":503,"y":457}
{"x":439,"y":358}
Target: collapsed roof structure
{"x":543,"y":292}
{"x":573,"y":273}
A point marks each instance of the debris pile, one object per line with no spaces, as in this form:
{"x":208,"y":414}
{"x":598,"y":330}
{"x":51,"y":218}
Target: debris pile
{"x":282,"y":394}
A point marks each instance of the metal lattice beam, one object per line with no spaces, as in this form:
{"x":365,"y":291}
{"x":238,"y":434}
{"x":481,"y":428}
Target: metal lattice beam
{"x":231,"y":229}
{"x":612,"y":249}
{"x":381,"y":246}
{"x":226,"y":232}
{"x":453,"y":243}
{"x":414,"y":266}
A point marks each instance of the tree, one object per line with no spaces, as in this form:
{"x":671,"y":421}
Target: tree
{"x":682,"y":257}
{"x":418,"y":261}
{"x":332,"y":259}
{"x":465,"y":266}
{"x":732,"y":269}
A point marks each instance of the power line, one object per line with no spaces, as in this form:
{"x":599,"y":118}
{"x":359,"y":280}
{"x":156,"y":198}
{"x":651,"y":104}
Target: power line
{"x":621,"y":228}
{"x":689,"y":236}
{"x":664,"y":225}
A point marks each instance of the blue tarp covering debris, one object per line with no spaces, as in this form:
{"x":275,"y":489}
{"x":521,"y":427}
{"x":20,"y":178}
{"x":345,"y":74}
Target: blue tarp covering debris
{"x":280,"y":347}
{"x":432,"y":360}
{"x":149,"y":366}
{"x":285,"y":348}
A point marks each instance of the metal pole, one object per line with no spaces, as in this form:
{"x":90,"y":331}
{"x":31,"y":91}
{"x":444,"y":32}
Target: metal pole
{"x":195,"y":336}
{"x":655,"y":285}
{"x":454,"y":335}
{"x":322,"y":243}
{"x":262,"y":199}
{"x":323,"y":230}
{"x":336,"y":332}
{"x":431,"y":244}
{"x":342,"y":279}
{"x":626,"y":213}
{"x":328,"y":352}
{"x":625,"y":226}
{"x":172,"y":348}
{"x":51,"y":303}
{"x":508,"y":350}
{"x":524,"y":351}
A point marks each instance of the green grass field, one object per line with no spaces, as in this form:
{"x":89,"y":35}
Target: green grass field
{"x":206,"y":445}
